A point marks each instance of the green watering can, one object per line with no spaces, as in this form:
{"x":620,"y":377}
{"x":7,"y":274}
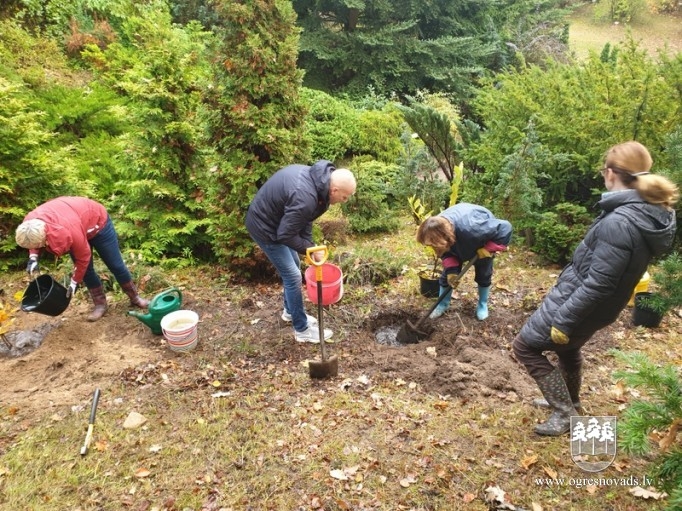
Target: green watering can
{"x":164,"y":303}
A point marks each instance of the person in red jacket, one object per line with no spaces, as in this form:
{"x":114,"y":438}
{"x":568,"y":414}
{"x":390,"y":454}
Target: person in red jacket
{"x":76,"y":225}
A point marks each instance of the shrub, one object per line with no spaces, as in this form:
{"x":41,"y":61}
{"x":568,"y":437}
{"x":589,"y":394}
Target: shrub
{"x":656,"y":417}
{"x":331,"y":126}
{"x":559,"y":232}
{"x":369,"y":210}
{"x":370,"y":265}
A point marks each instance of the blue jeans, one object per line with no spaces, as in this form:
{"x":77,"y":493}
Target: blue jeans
{"x":106,"y":245}
{"x":288,"y":264}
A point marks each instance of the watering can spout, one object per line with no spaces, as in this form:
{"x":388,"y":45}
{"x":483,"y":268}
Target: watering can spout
{"x":164,"y":303}
{"x":145,"y":318}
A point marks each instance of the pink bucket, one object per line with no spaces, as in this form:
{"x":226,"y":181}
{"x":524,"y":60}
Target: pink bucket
{"x":332,"y":283}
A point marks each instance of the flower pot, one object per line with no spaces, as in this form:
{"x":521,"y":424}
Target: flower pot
{"x":643,"y":315}
{"x":428,"y":285}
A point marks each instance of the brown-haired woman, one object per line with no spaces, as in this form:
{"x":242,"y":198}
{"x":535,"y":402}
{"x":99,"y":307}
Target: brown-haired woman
{"x":456,"y":235}
{"x":637,"y":223}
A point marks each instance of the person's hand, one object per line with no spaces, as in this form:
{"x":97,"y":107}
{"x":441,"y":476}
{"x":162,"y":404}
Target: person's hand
{"x":558,"y":337}
{"x":32,"y":264}
{"x":71,"y":289}
{"x":483,"y":253}
{"x":318,"y":256}
{"x":453,"y":280}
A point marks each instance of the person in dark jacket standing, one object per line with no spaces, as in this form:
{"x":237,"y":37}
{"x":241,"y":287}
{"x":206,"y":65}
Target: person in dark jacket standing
{"x":280,"y":221}
{"x":75,"y":226}
{"x":637,"y":223}
{"x":456,"y":235}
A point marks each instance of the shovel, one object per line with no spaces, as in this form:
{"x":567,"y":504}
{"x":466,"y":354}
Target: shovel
{"x":326,"y":367}
{"x":410,"y":333}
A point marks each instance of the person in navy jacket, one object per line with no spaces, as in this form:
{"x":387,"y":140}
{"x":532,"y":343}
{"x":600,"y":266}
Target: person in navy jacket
{"x":280,"y":221}
{"x":456,"y":235}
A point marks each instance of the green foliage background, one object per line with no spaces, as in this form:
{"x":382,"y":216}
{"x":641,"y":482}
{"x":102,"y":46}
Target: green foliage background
{"x":173,"y":126}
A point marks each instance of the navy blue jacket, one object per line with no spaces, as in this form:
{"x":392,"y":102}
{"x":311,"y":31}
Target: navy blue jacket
{"x":283,"y":210}
{"x":596,"y":285}
{"x":474,"y":226}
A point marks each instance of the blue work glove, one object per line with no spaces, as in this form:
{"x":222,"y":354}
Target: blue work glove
{"x":32,"y":264}
{"x":71,"y":289}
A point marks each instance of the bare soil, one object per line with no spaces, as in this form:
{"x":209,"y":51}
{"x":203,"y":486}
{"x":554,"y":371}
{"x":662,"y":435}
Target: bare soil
{"x":463,"y":357}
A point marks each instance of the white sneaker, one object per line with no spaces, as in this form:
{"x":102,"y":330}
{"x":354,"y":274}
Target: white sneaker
{"x":287,"y":317}
{"x":312,"y":334}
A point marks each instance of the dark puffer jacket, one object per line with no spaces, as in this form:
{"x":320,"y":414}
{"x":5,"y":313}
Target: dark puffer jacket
{"x":597,"y":284}
{"x":284,"y":208}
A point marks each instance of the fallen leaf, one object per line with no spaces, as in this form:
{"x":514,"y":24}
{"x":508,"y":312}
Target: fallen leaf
{"x":216,"y":383}
{"x":535,"y":506}
{"x":363,"y":379}
{"x":142,"y":472}
{"x":665,"y":442}
{"x":468,"y":497}
{"x":529,"y":461}
{"x":441,"y":405}
{"x":339,"y":474}
{"x":550,"y":472}
{"x":101,"y":445}
{"x":638,"y":491}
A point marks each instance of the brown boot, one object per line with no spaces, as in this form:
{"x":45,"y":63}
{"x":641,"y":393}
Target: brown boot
{"x":135,"y":299}
{"x":100,"y":301}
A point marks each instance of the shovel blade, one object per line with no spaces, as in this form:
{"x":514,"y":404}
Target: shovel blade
{"x":320,"y":369}
{"x":408,"y":334}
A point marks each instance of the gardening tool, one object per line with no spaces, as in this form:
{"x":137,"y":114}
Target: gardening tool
{"x":164,"y":303}
{"x":91,"y":423}
{"x":326,"y":367}
{"x":410,"y":333}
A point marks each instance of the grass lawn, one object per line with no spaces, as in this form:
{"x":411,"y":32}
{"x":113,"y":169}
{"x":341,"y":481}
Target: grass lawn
{"x":652,"y":31}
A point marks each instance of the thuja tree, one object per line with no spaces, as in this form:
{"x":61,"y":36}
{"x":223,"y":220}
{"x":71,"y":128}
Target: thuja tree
{"x":158,"y":68}
{"x":253,"y":113}
{"x":30,"y":172}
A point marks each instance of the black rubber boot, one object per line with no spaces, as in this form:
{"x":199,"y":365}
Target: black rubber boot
{"x":573,"y":381}
{"x":135,"y":299}
{"x":100,"y":301}
{"x":554,"y":389}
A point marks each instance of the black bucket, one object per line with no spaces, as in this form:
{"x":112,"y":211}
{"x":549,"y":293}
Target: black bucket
{"x":45,"y":296}
{"x":430,"y":288}
{"x":642,"y":315}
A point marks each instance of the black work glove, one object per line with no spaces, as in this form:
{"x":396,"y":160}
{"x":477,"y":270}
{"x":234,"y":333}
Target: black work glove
{"x":32,"y":264}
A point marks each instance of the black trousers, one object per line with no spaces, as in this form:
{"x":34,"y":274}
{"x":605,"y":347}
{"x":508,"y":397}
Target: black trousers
{"x":538,"y":365}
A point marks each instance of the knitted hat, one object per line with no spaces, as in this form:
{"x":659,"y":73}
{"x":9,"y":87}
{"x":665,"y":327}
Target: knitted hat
{"x":31,"y":234}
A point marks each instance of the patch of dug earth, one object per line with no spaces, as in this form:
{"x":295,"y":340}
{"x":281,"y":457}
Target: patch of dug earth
{"x":462,"y":357}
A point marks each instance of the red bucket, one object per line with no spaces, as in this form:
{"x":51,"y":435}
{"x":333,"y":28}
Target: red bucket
{"x":332,"y":283}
